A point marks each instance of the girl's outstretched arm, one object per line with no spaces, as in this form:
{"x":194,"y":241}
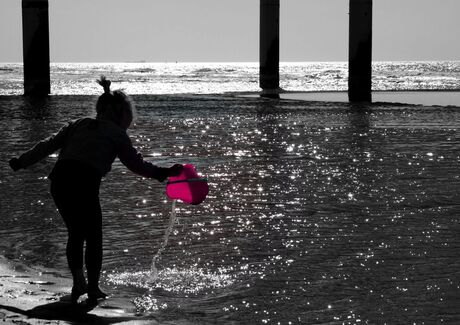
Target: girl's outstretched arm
{"x":42,"y":149}
{"x":132,"y":159}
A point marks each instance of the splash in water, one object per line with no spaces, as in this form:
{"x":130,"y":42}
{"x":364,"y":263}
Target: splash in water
{"x":192,"y":280}
{"x":172,"y":220}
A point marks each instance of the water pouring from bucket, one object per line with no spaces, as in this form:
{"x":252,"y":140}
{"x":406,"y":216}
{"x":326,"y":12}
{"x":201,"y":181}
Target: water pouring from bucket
{"x":188,"y":187}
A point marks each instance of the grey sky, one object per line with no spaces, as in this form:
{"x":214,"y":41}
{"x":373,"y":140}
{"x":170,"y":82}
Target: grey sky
{"x":227,"y":30}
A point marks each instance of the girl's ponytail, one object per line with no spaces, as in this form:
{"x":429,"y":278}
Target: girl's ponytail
{"x":105,"y":83}
{"x":115,"y":106}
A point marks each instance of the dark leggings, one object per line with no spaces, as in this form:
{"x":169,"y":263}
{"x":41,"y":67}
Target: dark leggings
{"x":75,"y":190}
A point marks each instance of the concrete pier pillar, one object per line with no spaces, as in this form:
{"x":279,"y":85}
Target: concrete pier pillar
{"x":360,"y":51}
{"x":269,"y":47}
{"x":36,"y":52}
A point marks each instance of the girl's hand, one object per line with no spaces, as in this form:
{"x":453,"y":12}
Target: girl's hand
{"x":163,"y":173}
{"x":15,"y":164}
{"x":175,"y":170}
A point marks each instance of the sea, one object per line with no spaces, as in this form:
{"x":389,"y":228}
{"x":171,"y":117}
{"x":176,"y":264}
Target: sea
{"x":319,"y":212}
{"x":233,"y":77}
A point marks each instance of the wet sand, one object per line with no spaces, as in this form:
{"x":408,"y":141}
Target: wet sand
{"x":29,"y":296}
{"x":426,"y":98}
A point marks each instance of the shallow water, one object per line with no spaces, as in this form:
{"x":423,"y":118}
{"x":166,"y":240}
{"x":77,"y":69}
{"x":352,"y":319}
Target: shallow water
{"x":317,"y":213}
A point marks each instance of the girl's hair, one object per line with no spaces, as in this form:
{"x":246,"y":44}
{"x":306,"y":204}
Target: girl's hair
{"x":112,"y":104}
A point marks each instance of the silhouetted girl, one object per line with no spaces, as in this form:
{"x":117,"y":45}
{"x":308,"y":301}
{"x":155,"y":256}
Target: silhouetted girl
{"x":88,"y":147}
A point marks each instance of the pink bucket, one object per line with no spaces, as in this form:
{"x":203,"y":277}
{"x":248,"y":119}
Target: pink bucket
{"x":188,"y":187}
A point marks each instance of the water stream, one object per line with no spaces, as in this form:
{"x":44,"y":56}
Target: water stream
{"x":156,"y":257}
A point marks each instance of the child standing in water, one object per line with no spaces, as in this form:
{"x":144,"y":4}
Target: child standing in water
{"x":88,"y":147}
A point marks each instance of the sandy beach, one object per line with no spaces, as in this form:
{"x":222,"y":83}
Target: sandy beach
{"x":29,"y":296}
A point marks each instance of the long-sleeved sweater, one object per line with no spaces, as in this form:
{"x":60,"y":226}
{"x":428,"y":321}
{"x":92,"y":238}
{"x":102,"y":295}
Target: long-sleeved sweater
{"x":96,"y":142}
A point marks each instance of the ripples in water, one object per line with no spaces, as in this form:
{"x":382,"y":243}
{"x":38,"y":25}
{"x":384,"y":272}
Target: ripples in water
{"x":317,"y":213}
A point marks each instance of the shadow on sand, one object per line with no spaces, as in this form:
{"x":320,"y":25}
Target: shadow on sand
{"x":63,"y":310}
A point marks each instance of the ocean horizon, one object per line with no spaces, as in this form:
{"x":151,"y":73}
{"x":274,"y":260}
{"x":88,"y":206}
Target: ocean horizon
{"x":77,"y":78}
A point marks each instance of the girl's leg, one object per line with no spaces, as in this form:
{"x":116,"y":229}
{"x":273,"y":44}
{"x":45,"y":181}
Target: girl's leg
{"x":93,"y":253}
{"x":69,"y":211}
{"x":74,"y":249}
{"x":93,"y":256}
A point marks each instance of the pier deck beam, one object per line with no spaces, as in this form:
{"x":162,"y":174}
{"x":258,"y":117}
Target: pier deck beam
{"x":269,"y":47}
{"x":360,"y":51}
{"x":36,"y":53}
